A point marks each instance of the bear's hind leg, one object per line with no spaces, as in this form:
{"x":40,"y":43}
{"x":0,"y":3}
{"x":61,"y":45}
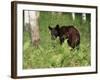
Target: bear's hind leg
{"x":71,"y":44}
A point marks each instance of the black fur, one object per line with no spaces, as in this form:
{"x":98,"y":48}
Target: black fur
{"x":70,"y":33}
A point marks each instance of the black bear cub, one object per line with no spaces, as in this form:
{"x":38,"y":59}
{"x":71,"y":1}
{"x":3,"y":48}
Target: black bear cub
{"x":69,"y":33}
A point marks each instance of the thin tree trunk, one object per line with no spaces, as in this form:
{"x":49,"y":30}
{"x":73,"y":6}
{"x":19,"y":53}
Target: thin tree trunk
{"x":34,"y":27}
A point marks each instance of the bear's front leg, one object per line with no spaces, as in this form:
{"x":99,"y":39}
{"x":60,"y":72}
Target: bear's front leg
{"x":61,"y":40}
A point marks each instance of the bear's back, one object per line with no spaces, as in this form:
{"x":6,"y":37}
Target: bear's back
{"x":69,"y":29}
{"x":72,"y":34}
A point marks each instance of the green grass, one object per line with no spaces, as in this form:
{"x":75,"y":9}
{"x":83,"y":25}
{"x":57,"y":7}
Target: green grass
{"x":50,"y":53}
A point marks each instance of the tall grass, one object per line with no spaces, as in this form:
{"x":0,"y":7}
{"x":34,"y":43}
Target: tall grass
{"x":50,"y":53}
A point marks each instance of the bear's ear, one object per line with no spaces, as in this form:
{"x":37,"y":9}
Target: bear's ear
{"x":57,"y":26}
{"x":50,"y":28}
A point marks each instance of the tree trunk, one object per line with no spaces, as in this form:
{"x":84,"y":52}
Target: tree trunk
{"x":34,"y":27}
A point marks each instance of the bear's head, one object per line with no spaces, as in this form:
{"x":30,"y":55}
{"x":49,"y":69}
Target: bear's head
{"x":54,"y":32}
